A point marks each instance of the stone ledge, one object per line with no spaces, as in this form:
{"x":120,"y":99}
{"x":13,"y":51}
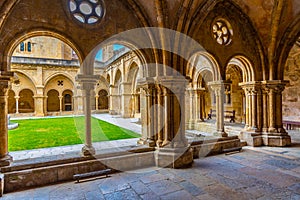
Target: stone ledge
{"x":46,"y":175}
{"x":214,"y":146}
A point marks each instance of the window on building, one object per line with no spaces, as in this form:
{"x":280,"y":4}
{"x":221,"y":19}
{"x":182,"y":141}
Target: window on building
{"x":22,"y":46}
{"x":29,"y":46}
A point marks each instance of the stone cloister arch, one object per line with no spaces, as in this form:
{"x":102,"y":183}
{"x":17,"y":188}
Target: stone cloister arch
{"x":103,"y":100}
{"x":204,"y":66}
{"x":60,"y":82}
{"x":102,"y":95}
{"x":134,"y":74}
{"x":159,"y":86}
{"x":261,"y":119}
{"x":53,"y":101}
{"x":22,"y":81}
{"x":26,"y":101}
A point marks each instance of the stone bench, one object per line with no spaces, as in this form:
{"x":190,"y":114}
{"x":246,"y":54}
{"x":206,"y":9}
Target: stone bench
{"x":227,"y":114}
{"x":289,"y":124}
{"x":92,"y":174}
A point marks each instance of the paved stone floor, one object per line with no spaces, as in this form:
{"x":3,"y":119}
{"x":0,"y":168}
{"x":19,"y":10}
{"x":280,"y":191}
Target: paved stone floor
{"x":255,"y":173}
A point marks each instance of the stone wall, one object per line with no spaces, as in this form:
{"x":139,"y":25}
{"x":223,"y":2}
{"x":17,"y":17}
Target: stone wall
{"x":291,"y":95}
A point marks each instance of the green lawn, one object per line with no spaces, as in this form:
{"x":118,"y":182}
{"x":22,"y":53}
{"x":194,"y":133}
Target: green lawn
{"x":52,"y":132}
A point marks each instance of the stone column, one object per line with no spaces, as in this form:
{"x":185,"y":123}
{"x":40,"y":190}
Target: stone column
{"x":39,"y":100}
{"x":167,"y":118}
{"x":144,"y":118}
{"x":87,"y":85}
{"x":5,"y":158}
{"x":113,"y":100}
{"x":147,"y":112}
{"x":136,"y":101}
{"x":149,"y":89}
{"x":60,"y":103}
{"x":218,"y":88}
{"x":265,"y":109}
{"x":275,"y":89}
{"x":174,"y":151}
{"x":193,"y":108}
{"x":276,"y":134}
{"x":160,"y":116}
{"x":200,"y":104}
{"x":39,"y":105}
{"x":253,"y":101}
{"x":125,"y":99}
{"x":17,"y":104}
{"x":97,"y":102}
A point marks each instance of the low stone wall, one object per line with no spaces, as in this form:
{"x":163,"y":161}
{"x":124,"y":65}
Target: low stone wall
{"x":214,"y":146}
{"x":20,"y":177}
{"x":38,"y":175}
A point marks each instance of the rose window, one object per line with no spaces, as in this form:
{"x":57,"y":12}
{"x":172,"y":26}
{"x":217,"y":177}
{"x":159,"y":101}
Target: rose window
{"x":222,"y":32}
{"x":86,"y":11}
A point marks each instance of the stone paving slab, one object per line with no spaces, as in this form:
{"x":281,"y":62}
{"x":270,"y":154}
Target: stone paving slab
{"x":215,"y":177}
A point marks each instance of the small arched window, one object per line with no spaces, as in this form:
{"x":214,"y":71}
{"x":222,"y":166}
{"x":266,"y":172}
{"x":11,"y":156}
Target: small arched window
{"x":29,"y":46}
{"x":22,"y":46}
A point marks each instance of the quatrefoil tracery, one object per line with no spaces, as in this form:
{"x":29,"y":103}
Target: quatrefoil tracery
{"x":222,"y":32}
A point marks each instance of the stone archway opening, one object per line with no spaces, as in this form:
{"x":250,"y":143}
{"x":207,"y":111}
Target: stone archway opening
{"x":291,"y":94}
{"x":67,"y":100}
{"x":26,"y":101}
{"x":53,"y":101}
{"x":103,"y":100}
{"x":11,"y":102}
{"x":234,"y":97}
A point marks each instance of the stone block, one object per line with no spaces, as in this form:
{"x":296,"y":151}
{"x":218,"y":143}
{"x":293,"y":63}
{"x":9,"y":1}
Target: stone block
{"x":252,"y":138}
{"x":174,"y":157}
{"x":1,"y":184}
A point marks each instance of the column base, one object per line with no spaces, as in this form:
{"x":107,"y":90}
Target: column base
{"x":174,"y":157}
{"x":88,"y":151}
{"x":5,"y":161}
{"x":276,"y":139}
{"x":256,"y":139}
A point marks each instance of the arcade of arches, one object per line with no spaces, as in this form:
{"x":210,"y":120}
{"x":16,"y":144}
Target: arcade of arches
{"x":246,"y":64}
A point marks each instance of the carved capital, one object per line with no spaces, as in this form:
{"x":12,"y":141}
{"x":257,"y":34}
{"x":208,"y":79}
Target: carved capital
{"x":276,"y":86}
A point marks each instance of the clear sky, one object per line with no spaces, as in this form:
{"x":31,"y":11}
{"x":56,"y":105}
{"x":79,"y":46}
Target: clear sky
{"x":99,"y":54}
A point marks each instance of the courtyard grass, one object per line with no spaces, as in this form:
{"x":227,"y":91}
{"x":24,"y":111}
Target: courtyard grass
{"x":53,"y":132}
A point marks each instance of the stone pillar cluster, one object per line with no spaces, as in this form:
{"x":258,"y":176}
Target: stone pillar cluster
{"x":218,"y":88}
{"x":253,"y":99}
{"x":163,"y":115}
{"x":197,"y":106}
{"x":264,"y":114}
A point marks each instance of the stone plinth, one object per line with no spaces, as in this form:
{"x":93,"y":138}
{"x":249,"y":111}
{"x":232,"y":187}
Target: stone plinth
{"x":174,"y":157}
{"x":276,"y":140}
{"x":266,"y":139}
